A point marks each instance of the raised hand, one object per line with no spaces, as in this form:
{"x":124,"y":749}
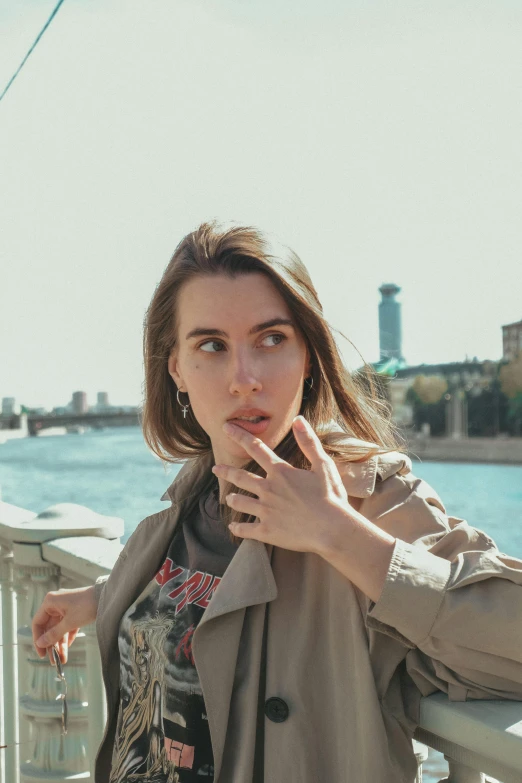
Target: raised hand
{"x":294,"y":508}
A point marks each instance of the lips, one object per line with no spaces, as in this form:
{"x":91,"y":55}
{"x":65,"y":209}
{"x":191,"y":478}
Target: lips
{"x":255,"y":428}
{"x":249,"y":413}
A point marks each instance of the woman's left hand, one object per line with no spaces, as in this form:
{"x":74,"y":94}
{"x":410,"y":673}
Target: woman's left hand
{"x":294,"y":508}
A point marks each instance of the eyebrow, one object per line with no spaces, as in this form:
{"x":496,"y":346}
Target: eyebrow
{"x":203,"y":331}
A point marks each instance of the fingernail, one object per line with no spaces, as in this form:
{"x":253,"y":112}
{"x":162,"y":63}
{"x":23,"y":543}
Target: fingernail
{"x":42,"y":641}
{"x":300,"y":424}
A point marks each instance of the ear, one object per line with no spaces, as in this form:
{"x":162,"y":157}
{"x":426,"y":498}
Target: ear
{"x":173,"y":371}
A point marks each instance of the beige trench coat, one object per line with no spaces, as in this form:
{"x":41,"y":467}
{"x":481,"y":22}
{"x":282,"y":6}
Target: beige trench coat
{"x":350,"y":671}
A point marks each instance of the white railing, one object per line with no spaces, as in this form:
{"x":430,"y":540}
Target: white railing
{"x":65,"y":546}
{"x":70,"y":546}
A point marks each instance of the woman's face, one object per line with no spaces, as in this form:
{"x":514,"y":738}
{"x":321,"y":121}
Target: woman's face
{"x":238,"y":353}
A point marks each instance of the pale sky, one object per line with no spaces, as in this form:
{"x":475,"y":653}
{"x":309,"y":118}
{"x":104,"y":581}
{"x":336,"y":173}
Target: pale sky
{"x":382,"y":141}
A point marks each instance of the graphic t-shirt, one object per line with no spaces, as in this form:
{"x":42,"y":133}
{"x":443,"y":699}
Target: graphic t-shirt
{"x":162,"y":734}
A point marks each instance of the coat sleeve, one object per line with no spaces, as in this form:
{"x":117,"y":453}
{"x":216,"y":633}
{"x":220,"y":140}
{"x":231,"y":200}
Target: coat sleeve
{"x":454,"y":599}
{"x":98,"y":587}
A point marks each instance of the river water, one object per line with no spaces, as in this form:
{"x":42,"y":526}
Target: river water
{"x":112,"y":472}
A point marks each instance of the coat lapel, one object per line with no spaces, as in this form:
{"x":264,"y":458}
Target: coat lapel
{"x":247,"y":581}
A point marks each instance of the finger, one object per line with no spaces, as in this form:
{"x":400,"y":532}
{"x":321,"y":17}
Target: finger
{"x":58,"y":648}
{"x":245,"y":530}
{"x":42,"y":619}
{"x":63,"y":648}
{"x":263,"y":454}
{"x":51,"y":636}
{"x":309,"y":443}
{"x":72,"y":635}
{"x":240,"y":478}
{"x":243,"y":503}
{"x":38,"y":630}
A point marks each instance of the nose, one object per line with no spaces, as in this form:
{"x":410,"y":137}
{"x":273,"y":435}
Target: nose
{"x":244,"y":376}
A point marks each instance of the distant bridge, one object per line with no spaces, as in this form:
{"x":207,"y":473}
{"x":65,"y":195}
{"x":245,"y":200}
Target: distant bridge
{"x":96,"y":420}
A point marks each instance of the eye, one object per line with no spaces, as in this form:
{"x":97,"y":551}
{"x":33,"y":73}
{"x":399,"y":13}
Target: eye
{"x":280,"y":337}
{"x":210,"y":342}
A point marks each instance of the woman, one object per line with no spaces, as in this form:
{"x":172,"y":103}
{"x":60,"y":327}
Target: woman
{"x":282,"y":618}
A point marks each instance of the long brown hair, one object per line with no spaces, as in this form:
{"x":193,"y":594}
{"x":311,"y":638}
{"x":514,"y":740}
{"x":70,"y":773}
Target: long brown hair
{"x":339,"y":405}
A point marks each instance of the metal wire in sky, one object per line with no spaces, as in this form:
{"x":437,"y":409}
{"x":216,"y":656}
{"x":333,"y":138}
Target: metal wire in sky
{"x":42,"y":31}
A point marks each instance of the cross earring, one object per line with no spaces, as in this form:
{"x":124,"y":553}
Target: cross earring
{"x":184,"y":408}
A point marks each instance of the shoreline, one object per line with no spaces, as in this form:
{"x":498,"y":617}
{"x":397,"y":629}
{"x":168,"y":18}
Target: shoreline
{"x":491,"y":451}
{"x":479,"y":451}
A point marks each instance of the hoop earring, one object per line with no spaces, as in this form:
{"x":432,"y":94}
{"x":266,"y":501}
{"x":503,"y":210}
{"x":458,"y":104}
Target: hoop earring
{"x":308,"y":387}
{"x":184,"y":408}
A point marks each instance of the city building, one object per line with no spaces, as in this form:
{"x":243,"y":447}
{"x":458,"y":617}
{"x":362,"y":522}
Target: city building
{"x":79,"y":402}
{"x":511,"y":340}
{"x":102,"y":403}
{"x":9,"y":407}
{"x":102,"y":400}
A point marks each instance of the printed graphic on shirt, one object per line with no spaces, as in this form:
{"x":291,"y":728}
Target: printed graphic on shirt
{"x":162,"y":734}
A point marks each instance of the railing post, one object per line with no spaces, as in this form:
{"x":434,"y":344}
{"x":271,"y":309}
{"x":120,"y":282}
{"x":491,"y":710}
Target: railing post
{"x":10,"y":756}
{"x":421,"y":755}
{"x":45,"y":754}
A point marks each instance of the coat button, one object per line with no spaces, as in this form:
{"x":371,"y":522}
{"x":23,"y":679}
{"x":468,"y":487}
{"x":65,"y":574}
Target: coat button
{"x":276,"y":709}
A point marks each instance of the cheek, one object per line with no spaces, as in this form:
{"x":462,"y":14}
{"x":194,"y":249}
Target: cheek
{"x":293,"y":383}
{"x":285,"y":378}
